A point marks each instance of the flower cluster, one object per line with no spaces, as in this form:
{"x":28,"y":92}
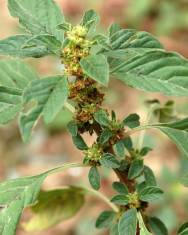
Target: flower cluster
{"x":77,"y":48}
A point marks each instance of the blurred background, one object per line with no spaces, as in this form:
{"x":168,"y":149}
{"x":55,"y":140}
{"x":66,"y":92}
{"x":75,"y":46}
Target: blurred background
{"x":51,"y":145}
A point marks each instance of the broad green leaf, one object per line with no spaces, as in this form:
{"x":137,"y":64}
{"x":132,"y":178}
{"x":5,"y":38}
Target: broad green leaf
{"x":96,"y":67}
{"x":14,"y":46}
{"x":114,"y":230}
{"x":120,"y":188}
{"x":157,"y":226}
{"x":105,"y":219}
{"x":128,"y":143}
{"x":120,"y":200}
{"x":144,"y":151}
{"x":128,"y":223}
{"x":15,"y":76}
{"x":48,"y":42}
{"x":119,"y":149}
{"x":132,"y":121}
{"x":65,"y":26}
{"x":156,"y":71}
{"x":38,"y":16}
{"x":149,"y":177}
{"x":72,"y":128}
{"x":183,"y":230}
{"x":90,"y":19}
{"x":102,"y":118}
{"x":10,"y":103}
{"x":50,"y":95}
{"x":105,"y":135}
{"x":53,"y":207}
{"x":135,"y":169}
{"x":143,"y":229}
{"x":130,"y":38}
{"x":177,"y":132}
{"x":150,"y":193}
{"x":114,"y":28}
{"x":15,"y":195}
{"x":101,"y":40}
{"x":128,"y":43}
{"x":56,"y":100}
{"x":94,"y":178}
{"x":109,"y":160}
{"x":79,"y":142}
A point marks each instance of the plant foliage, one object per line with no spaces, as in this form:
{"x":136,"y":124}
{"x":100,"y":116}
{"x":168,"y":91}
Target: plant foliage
{"x":137,"y":59}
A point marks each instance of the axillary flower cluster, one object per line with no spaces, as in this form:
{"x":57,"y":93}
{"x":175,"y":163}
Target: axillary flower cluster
{"x":84,"y":92}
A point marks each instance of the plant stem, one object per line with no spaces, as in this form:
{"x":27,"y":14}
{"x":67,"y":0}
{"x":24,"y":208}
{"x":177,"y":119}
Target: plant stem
{"x":142,"y":134}
{"x":102,"y":197}
{"x":65,"y":167}
{"x":69,"y":107}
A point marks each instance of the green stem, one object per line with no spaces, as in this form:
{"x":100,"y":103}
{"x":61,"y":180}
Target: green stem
{"x":142,"y":134}
{"x":102,"y":197}
{"x":69,"y":107}
{"x":137,"y":129}
{"x":65,"y":167}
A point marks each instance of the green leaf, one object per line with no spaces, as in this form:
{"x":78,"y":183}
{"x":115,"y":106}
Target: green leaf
{"x":53,"y":207}
{"x":101,"y":40}
{"x":144,"y":151}
{"x":157,"y":226}
{"x":109,"y":160}
{"x":14,"y":46}
{"x":143,"y":229}
{"x":96,"y":67}
{"x":65,"y":26}
{"x":102,"y":118}
{"x":105,"y":219}
{"x":114,"y":230}
{"x":105,"y":136}
{"x":48,"y":42}
{"x":72,"y":128}
{"x":114,"y":28}
{"x":90,"y":19}
{"x":156,"y":71}
{"x":130,"y":38}
{"x":119,"y":149}
{"x":128,"y":143}
{"x":56,"y":100}
{"x":79,"y":142}
{"x":128,"y":223}
{"x":15,"y":76}
{"x":183,"y":230}
{"x":135,"y":169}
{"x":94,"y":178}
{"x":132,"y":121}
{"x":150,"y":193}
{"x":50,"y":95}
{"x":149,"y":176}
{"x":38,"y":16}
{"x":120,"y":200}
{"x":10,"y":104}
{"x":120,"y":188}
{"x":15,"y":195}
{"x":177,"y":132}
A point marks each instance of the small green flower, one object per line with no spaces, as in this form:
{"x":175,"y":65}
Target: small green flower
{"x":94,"y":153}
{"x":134,"y":201}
